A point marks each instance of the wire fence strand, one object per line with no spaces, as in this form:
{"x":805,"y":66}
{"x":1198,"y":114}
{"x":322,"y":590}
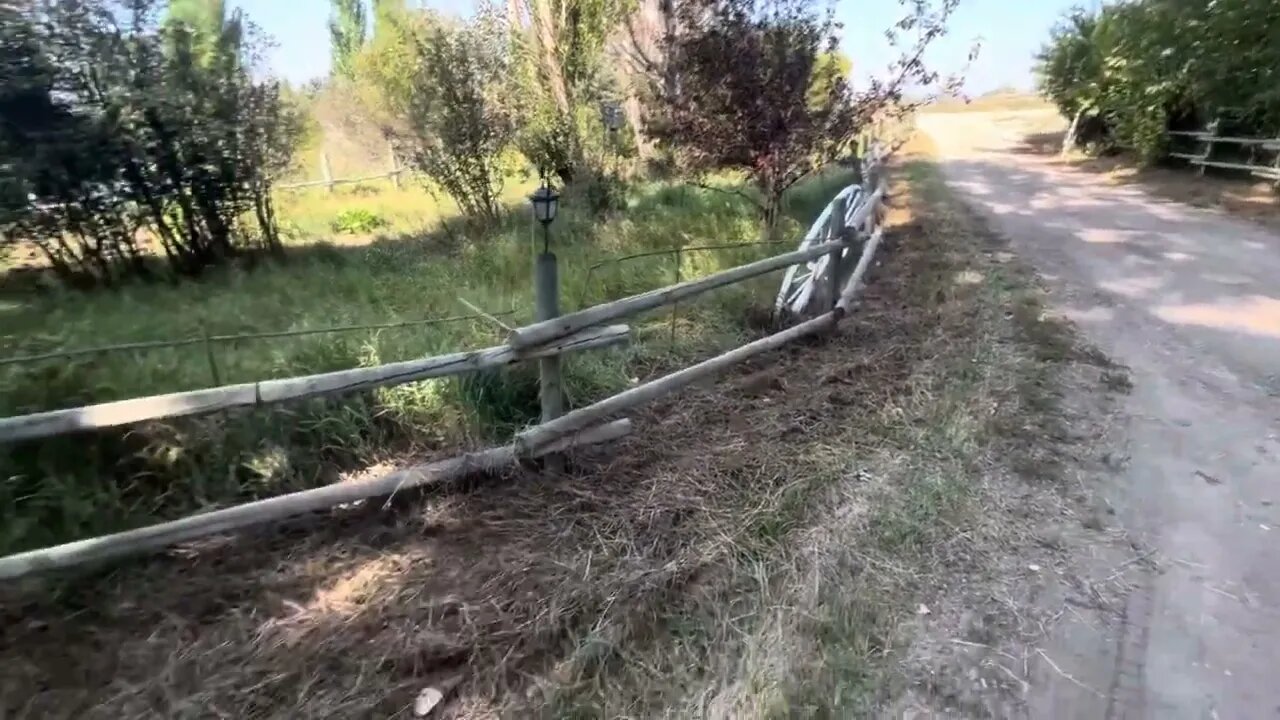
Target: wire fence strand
{"x":203,"y":339}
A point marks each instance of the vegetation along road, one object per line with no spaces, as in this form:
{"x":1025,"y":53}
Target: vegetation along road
{"x":1188,"y":299}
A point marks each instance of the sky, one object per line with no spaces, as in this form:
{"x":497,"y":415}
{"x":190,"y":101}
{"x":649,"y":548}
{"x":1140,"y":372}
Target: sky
{"x":1009,"y":32}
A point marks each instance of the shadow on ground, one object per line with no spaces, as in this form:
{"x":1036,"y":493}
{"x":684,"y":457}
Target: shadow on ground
{"x":1230,"y":191}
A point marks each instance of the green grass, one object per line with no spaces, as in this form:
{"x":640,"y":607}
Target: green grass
{"x":70,"y":487}
{"x":308,"y":214}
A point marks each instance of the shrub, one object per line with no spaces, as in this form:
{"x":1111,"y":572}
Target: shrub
{"x":357,"y":221}
{"x":118,"y":127}
{"x":755,"y":86}
{"x":1131,"y":71}
{"x":459,"y":123}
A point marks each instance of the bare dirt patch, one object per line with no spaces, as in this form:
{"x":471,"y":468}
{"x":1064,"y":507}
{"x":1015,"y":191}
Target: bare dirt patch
{"x":805,"y":538}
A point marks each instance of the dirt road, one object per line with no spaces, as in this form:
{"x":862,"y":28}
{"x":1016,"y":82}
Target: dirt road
{"x":1189,"y":300}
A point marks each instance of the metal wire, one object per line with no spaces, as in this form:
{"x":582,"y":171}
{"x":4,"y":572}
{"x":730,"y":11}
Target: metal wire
{"x":156,"y":344}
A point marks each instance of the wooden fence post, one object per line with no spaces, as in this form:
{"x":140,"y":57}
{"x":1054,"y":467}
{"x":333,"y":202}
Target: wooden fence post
{"x":395,"y":165}
{"x":835,"y":231}
{"x":326,"y":171}
{"x":551,"y":391}
{"x":1212,"y":131}
{"x":675,"y":307}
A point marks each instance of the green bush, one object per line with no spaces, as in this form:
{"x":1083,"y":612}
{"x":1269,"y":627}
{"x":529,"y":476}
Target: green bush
{"x":1134,"y":70}
{"x":357,"y":221}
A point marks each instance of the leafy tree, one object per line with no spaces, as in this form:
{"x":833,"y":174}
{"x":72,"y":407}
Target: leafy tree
{"x":383,"y":78}
{"x":1133,"y":70}
{"x":744,"y":86}
{"x":830,"y":66}
{"x":203,"y":16}
{"x":347,"y":31}
{"x":459,"y":121}
{"x":127,"y":133}
{"x":560,"y":58}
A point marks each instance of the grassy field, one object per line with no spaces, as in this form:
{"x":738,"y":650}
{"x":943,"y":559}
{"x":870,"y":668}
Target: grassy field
{"x":759,"y":548}
{"x":422,"y":264}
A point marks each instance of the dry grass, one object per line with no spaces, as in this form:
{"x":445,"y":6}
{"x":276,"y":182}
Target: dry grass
{"x":991,"y":102}
{"x":1228,"y":191}
{"x":758,"y":549}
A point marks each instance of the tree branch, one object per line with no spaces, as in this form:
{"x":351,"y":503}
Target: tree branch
{"x":730,"y":191}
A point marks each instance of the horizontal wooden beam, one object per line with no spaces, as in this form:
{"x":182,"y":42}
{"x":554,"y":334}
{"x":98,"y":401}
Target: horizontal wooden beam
{"x":548,"y":330}
{"x":535,"y":439}
{"x":1227,"y":165}
{"x":345,"y":181}
{"x":268,"y":392}
{"x":134,"y":542}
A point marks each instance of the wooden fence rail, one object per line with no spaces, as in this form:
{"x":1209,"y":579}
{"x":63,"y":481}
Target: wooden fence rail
{"x":546,"y":331}
{"x":154,"y":537}
{"x":269,"y":392}
{"x":1209,"y":138}
{"x":851,"y":219}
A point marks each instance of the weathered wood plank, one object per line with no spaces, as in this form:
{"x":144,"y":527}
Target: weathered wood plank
{"x":542,"y":332}
{"x":267,"y":392}
{"x":534,"y":439}
{"x":134,"y":542}
{"x":855,"y":280}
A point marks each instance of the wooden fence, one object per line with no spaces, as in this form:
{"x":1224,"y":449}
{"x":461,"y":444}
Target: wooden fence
{"x":848,"y":229}
{"x":395,"y":174}
{"x":1250,"y":157}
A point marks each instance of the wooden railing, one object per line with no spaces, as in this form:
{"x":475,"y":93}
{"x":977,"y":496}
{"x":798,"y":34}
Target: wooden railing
{"x":850,"y":228}
{"x":1254,"y":163}
{"x":395,"y":173}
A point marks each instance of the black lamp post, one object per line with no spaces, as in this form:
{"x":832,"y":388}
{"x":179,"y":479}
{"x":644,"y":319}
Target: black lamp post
{"x":546,"y":201}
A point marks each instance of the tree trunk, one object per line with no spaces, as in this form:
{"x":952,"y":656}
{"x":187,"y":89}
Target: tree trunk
{"x":545,"y":25}
{"x":770,"y":211}
{"x":1069,"y":141}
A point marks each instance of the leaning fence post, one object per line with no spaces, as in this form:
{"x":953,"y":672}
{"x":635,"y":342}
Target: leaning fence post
{"x":547,"y":296}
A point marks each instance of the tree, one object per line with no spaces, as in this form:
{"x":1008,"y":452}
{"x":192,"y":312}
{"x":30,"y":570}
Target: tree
{"x":347,"y":31}
{"x":831,"y":66}
{"x":133,"y":132}
{"x":1131,"y":71}
{"x":560,"y":65}
{"x":202,"y":16}
{"x":459,"y":120}
{"x":744,"y":86}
